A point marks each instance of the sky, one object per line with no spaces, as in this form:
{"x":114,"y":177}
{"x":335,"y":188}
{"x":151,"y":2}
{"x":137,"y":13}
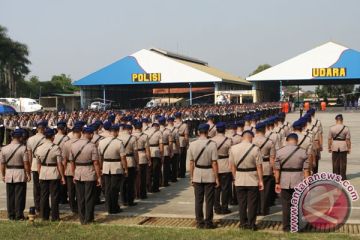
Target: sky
{"x":78,"y":37}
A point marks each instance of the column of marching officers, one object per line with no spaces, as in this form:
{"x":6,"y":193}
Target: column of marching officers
{"x":247,"y":162}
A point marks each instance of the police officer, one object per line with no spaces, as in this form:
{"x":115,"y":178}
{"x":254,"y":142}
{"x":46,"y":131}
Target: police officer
{"x":339,"y":145}
{"x":267,"y":149}
{"x":156,"y":153}
{"x":174,"y":161}
{"x":304,"y":139}
{"x":231,"y":133}
{"x":51,"y":175}
{"x":32,"y":145}
{"x":223,"y":193}
{"x":15,"y":170}
{"x":69,"y":177}
{"x":291,"y":167}
{"x":212,"y":126}
{"x":114,"y":167}
{"x":85,"y":166}
{"x":183,"y":132}
{"x":144,"y":158}
{"x":130,"y":146}
{"x":168,"y":150}
{"x":246,"y":165}
{"x":202,"y":155}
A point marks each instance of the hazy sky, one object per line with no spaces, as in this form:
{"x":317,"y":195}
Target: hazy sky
{"x":77,"y":37}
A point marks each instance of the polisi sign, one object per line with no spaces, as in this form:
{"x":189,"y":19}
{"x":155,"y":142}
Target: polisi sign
{"x":329,"y":72}
{"x":146,"y":77}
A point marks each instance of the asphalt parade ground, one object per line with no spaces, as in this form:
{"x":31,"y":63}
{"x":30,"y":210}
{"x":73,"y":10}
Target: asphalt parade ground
{"x":177,"y":201}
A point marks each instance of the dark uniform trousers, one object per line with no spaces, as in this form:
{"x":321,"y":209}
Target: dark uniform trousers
{"x":234,"y":200}
{"x":49,"y":188}
{"x":166,"y":170}
{"x":16,"y":198}
{"x":339,"y":162}
{"x":85,"y":194}
{"x":266,"y":195}
{"x":36,"y":190}
{"x":286,"y":195}
{"x":112,"y":188}
{"x":63,"y":193}
{"x":143,"y":180}
{"x":174,"y":165}
{"x":316,"y":167}
{"x":2,"y":132}
{"x":71,"y":193}
{"x":155,"y":174}
{"x":202,"y":190}
{"x":182,"y":162}
{"x":248,"y":204}
{"x":223,"y":193}
{"x":128,"y":187}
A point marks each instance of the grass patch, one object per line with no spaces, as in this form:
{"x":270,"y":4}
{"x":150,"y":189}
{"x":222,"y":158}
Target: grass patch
{"x":62,"y":230}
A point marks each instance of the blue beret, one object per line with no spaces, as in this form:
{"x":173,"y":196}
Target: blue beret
{"x":260,"y":125}
{"x":162,"y":120}
{"x":155,"y":124}
{"x":145,"y":120}
{"x":77,"y":127}
{"x":107,"y":125}
{"x":61,"y":124}
{"x":298,"y":123}
{"x":292,"y":136}
{"x":339,"y":116}
{"x":111,"y":118}
{"x":115,"y":127}
{"x":137,"y":124}
{"x":99,"y":122}
{"x":240,"y":123}
{"x":282,"y":115}
{"x":49,"y":132}
{"x":128,"y":127}
{"x":203,"y":127}
{"x":247,"y":132}
{"x":220,"y":125}
{"x":170,"y":119}
{"x":88,"y":130}
{"x":177,"y":114}
{"x":211,"y":116}
{"x":82,"y":123}
{"x":18,"y":132}
{"x":42,"y":123}
{"x":247,"y":118}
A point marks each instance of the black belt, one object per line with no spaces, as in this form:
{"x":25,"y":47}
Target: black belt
{"x":222,"y":157}
{"x":130,"y":154}
{"x":182,"y":135}
{"x":165,"y":144}
{"x":266,"y":159}
{"x":141,"y":149}
{"x":291,"y":169}
{"x":154,"y":145}
{"x":203,"y":167}
{"x":339,"y":139}
{"x":49,"y":164}
{"x":14,"y":167}
{"x":112,"y":160}
{"x":246,"y":169}
{"x":84,"y":164}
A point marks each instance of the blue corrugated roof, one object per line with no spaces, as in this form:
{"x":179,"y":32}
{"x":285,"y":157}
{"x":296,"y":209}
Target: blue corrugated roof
{"x":119,"y":72}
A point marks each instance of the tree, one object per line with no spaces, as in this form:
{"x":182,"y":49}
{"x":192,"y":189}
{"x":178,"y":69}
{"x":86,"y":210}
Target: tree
{"x":334,"y":91}
{"x":260,"y":68}
{"x":13,"y":64}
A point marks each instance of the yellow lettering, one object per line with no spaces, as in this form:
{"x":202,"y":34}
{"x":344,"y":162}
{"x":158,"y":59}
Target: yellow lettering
{"x":342,"y":72}
{"x":335,"y":72}
{"x":329,"y":72}
{"x":134,"y":77}
{"x":322,"y":72}
{"x":315,"y":72}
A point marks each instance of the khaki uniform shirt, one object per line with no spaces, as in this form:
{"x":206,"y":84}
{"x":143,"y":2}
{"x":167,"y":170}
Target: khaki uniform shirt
{"x":142,"y":144}
{"x":212,"y":131}
{"x":167,"y":140}
{"x":88,"y":154}
{"x":105,"y":133}
{"x":13,"y":175}
{"x":175,"y":136}
{"x":60,"y":140}
{"x":274,"y":138}
{"x":267,"y":151}
{"x":299,"y":160}
{"x":305,"y":144}
{"x":223,"y":147}
{"x":130,"y":146}
{"x":339,"y":145}
{"x":253,"y":159}
{"x":66,"y":154}
{"x":182,"y":130}
{"x":114,"y":151}
{"x":48,"y":170}
{"x":96,"y":139}
{"x":32,"y":144}
{"x":155,"y":138}
{"x":251,"y":128}
{"x":210,"y":154}
{"x":235,"y":137}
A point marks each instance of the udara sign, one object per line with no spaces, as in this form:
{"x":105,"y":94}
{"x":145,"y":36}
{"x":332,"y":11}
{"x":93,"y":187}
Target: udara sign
{"x":146,"y":77}
{"x":329,"y":72}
